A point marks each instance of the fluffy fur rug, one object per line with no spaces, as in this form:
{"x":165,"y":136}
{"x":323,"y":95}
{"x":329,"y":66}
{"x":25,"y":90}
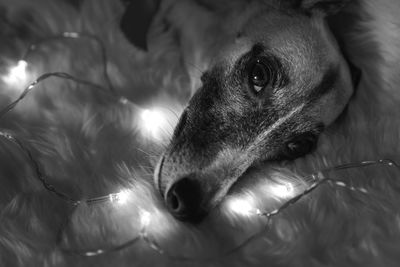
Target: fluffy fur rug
{"x":88,"y":144}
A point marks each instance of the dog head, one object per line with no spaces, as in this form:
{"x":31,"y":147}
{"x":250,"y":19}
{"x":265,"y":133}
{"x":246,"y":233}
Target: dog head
{"x":268,"y":94}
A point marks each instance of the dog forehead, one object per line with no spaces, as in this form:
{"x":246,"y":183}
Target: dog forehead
{"x":303,"y":44}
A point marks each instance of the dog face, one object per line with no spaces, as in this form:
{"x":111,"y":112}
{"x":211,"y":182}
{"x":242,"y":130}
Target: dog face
{"x":266,"y":97}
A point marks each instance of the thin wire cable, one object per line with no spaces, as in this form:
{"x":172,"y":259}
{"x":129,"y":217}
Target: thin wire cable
{"x":98,"y":251}
{"x":319,"y":177}
{"x":39,"y":174}
{"x":23,"y":147}
{"x":62,"y":75}
{"x":77,"y":35}
{"x":42,"y":78}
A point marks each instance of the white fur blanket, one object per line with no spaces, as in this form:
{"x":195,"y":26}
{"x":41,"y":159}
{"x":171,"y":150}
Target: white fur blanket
{"x":89,"y":144}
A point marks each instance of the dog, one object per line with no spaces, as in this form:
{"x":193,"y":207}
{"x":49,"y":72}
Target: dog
{"x":269,"y":87}
{"x":90,"y":147}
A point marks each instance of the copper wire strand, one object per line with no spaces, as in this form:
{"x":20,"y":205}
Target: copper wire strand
{"x":77,"y":35}
{"x":93,"y":251}
{"x":39,"y":174}
{"x":27,"y":152}
{"x":63,"y":75}
{"x":42,"y":78}
{"x":318,"y":177}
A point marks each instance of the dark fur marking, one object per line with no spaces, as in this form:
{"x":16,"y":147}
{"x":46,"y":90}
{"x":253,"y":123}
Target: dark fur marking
{"x":325,"y":86}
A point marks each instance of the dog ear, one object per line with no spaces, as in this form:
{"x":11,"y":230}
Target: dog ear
{"x":326,"y":7}
{"x":137,"y":19}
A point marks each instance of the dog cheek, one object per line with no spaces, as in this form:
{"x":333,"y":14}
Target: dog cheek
{"x":331,"y":105}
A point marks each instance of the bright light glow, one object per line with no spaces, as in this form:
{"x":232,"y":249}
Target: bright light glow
{"x":242,"y":206}
{"x":154,"y":123}
{"x":285,"y":190}
{"x":71,"y":34}
{"x":122,"y":197}
{"x":145,"y":217}
{"x":17,"y":75}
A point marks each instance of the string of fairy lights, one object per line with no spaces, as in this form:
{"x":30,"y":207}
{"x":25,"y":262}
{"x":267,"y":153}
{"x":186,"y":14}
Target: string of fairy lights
{"x":154,"y":120}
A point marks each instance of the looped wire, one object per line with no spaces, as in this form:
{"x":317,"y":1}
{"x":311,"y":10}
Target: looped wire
{"x":77,"y":35}
{"x":319,"y":177}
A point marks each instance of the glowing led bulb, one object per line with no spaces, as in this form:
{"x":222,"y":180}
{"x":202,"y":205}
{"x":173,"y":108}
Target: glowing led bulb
{"x":144,"y":218}
{"x":71,"y":34}
{"x":122,"y":197}
{"x":153,"y":123}
{"x":242,"y":206}
{"x":17,"y":74}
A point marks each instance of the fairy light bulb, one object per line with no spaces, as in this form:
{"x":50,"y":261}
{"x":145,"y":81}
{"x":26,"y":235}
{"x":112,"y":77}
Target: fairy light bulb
{"x":145,"y":217}
{"x":17,"y":74}
{"x":122,"y":197}
{"x":242,"y":206}
{"x":154,"y":123}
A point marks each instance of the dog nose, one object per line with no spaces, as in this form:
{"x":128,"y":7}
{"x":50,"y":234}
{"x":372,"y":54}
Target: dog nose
{"x":184,"y":200}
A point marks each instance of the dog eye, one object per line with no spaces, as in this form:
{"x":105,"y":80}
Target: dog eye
{"x":260,"y":76}
{"x":300,"y":146}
